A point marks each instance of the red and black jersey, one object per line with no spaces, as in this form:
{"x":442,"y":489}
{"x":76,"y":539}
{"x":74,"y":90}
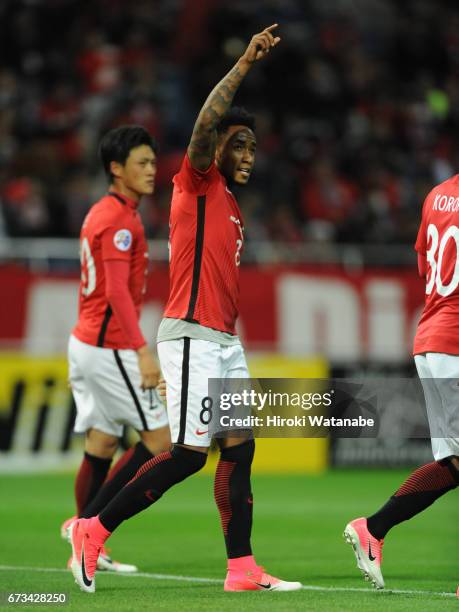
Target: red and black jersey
{"x":438,"y":247}
{"x":112,"y":230}
{"x":206,"y":240}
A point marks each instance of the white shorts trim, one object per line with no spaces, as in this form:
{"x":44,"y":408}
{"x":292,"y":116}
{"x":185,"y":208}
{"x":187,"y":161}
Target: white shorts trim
{"x":106,"y":388}
{"x":441,"y":393}
{"x":187,"y":364}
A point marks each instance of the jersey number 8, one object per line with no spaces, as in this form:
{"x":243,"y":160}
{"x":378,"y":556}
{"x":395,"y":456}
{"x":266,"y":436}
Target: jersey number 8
{"x":435,"y":260}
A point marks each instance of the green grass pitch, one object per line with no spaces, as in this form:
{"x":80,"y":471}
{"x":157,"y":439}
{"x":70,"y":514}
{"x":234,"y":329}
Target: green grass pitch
{"x":297,"y":535}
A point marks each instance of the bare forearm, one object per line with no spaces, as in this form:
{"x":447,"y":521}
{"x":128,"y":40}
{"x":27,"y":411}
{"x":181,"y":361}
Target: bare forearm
{"x":221,"y":97}
{"x":202,"y":145}
{"x":201,"y":149}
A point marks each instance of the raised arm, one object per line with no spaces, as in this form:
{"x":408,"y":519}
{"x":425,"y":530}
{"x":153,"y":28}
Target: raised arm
{"x":201,"y":149}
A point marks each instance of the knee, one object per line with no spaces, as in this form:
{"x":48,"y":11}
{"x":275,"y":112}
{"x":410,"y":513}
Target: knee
{"x":100,"y":444}
{"x":188,"y":461}
{"x":241,"y":454}
{"x":157,"y":441}
{"x":452,"y":463}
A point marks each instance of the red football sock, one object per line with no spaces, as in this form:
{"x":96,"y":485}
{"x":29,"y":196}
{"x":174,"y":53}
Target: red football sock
{"x":125,"y":457}
{"x":91,"y":475}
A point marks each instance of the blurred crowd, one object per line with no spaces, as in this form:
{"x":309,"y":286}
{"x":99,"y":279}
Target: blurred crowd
{"x":357,"y":109}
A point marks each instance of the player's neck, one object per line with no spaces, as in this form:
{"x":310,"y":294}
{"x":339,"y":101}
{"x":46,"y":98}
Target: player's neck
{"x":132,"y":197}
{"x":228,"y":180}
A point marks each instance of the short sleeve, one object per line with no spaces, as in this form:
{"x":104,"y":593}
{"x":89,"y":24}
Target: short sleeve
{"x":117,"y":242}
{"x":195,"y":181}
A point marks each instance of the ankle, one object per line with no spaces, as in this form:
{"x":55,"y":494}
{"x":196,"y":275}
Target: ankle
{"x":97,"y":530}
{"x":242,"y":564}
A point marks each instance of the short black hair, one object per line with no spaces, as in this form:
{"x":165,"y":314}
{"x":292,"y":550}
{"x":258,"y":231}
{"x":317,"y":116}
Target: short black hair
{"x":118,"y":143}
{"x":236,"y":115}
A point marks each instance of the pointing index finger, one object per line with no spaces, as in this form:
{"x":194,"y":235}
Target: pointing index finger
{"x":274,"y":39}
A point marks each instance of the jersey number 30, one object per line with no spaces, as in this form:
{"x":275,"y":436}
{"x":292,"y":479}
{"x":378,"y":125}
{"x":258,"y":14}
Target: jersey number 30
{"x":88,"y":269}
{"x":435,"y":260}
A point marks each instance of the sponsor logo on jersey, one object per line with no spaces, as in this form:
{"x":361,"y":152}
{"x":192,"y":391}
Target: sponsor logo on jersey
{"x":123,"y":239}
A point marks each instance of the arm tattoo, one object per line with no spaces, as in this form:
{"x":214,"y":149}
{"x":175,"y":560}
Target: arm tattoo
{"x":201,"y":149}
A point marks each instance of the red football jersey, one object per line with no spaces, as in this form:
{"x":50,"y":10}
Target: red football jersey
{"x":206,"y":240}
{"x":438,"y":242}
{"x":112,"y":229}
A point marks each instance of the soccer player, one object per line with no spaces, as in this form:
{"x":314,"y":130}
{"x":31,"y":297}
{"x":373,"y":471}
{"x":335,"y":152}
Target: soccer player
{"x":111,"y":370}
{"x":197,"y":338}
{"x":436,"y":355}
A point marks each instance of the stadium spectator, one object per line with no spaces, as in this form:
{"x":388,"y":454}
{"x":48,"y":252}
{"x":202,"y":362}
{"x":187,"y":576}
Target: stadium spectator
{"x":376,"y":83}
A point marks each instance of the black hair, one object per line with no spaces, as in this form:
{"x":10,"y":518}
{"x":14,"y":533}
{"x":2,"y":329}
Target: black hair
{"x":236,"y":115}
{"x":118,"y":143}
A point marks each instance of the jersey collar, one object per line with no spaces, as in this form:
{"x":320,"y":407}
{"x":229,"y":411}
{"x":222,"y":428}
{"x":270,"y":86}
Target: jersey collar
{"x":123,"y":199}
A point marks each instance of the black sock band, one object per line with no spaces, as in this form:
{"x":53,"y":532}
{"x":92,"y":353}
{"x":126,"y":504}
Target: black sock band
{"x":233,"y":496}
{"x":452,"y":468}
{"x":151,"y":481}
{"x":91,"y":475}
{"x":111,"y":487}
{"x":421,"y":489}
